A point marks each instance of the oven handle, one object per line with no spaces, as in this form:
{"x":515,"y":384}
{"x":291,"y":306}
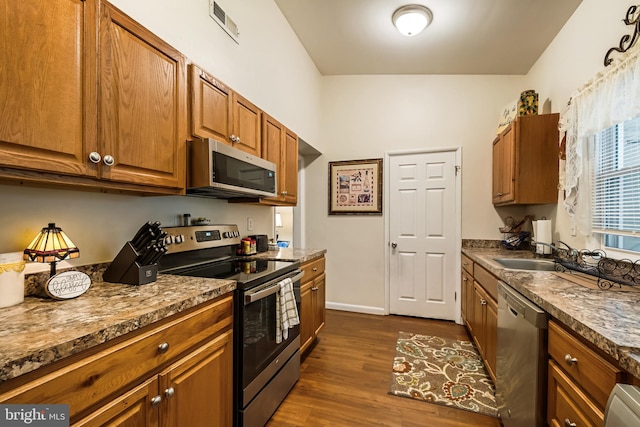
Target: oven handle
{"x":269,"y":288}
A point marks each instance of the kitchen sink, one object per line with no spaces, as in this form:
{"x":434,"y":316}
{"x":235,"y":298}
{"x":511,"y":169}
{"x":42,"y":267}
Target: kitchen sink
{"x":526,"y":264}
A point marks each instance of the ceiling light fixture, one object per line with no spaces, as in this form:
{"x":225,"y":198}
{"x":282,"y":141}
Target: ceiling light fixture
{"x":412,"y":19}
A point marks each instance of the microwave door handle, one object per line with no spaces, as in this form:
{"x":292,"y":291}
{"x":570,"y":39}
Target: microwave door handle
{"x":250,"y":297}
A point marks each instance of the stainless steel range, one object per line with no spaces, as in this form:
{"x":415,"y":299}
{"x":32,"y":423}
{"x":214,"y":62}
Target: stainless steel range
{"x":266,"y":363}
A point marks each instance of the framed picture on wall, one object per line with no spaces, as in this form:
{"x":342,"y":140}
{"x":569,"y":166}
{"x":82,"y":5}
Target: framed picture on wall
{"x":355,"y":187}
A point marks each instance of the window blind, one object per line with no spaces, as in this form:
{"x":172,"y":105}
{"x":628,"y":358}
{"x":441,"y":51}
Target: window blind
{"x":616,"y":180}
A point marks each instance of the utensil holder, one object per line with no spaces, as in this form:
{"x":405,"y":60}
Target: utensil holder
{"x":125,"y":269}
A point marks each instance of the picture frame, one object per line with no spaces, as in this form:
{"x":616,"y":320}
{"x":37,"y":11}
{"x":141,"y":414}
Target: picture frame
{"x":355,"y":187}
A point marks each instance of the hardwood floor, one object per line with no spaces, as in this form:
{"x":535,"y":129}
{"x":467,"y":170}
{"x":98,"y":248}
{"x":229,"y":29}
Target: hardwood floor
{"x":344,"y":380}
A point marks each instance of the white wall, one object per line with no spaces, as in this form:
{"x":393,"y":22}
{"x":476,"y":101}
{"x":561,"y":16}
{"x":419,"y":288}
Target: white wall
{"x":365,"y":116}
{"x":269,"y":67}
{"x":574,"y":57}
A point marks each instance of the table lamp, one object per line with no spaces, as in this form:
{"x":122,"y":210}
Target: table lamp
{"x":51,"y":245}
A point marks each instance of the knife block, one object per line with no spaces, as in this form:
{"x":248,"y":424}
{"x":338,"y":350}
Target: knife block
{"x":125,"y":269}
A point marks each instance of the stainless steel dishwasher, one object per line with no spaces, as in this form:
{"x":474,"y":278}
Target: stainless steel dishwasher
{"x":521,"y":367}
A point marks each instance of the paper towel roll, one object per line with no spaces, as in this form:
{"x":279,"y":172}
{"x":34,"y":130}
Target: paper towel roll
{"x":543,"y":235}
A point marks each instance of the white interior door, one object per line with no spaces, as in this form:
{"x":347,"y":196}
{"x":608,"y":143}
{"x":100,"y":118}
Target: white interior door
{"x":423,"y":234}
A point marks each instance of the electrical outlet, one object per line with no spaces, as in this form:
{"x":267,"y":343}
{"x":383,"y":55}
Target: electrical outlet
{"x":573,"y":230}
{"x":249,"y":223}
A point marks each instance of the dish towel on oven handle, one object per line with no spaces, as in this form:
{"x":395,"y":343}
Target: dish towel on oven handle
{"x":286,"y":310}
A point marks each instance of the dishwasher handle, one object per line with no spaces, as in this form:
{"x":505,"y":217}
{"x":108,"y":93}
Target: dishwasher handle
{"x":518,"y":305}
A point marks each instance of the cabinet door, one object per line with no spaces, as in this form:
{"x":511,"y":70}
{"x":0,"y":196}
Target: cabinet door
{"x":479,"y":302}
{"x":198,"y":390}
{"x":48,"y":85}
{"x":306,"y":316}
{"x":319,"y":296}
{"x":273,"y":134}
{"x":246,"y":125}
{"x":491,"y":336}
{"x":290,"y":168}
{"x":567,"y":404}
{"x":132,"y":409}
{"x":210,"y":106}
{"x":467,"y":300}
{"x":142,"y":109}
{"x":504,"y":166}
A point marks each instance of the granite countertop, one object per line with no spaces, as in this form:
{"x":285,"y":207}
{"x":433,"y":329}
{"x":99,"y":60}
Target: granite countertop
{"x":41,"y":331}
{"x":608,"y":319}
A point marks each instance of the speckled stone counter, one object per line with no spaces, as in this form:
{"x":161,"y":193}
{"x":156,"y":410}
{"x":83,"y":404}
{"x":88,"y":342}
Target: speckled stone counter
{"x":608,"y":319}
{"x":41,"y":331}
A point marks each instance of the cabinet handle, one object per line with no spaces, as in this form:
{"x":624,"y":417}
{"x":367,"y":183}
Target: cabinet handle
{"x":499,"y":194}
{"x":156,"y":401}
{"x":315,"y":269}
{"x":568,"y":423}
{"x":109,"y":160}
{"x":169,"y":392}
{"x":94,"y":157}
{"x":569,"y":360}
{"x":163,"y":348}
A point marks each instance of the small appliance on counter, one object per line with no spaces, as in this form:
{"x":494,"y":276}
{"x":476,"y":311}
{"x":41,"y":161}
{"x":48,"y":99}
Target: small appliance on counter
{"x":136,"y":263}
{"x":262,"y":242}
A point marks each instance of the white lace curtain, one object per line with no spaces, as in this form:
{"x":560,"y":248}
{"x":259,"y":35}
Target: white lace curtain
{"x":611,"y":97}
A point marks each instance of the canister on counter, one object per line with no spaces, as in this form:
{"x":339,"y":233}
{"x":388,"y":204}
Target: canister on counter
{"x":11,"y":279}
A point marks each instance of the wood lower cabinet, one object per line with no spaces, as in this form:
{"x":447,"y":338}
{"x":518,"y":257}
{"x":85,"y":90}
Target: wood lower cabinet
{"x":480,"y":310}
{"x":160,"y":375}
{"x":580,"y":380}
{"x":525,"y":161}
{"x":312,"y":306}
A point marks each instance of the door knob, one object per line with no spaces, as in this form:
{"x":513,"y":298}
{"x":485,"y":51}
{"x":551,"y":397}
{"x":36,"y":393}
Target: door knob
{"x":394,"y":245}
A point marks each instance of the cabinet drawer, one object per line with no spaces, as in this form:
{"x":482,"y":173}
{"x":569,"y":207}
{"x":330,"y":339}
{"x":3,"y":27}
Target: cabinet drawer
{"x":467,"y":264}
{"x":568,"y":404}
{"x":313,"y":269}
{"x":104,"y":371}
{"x":488,"y":281}
{"x":591,"y":371}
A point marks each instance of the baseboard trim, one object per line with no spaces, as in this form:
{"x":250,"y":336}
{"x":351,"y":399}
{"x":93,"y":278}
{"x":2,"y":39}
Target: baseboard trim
{"x":355,"y":308}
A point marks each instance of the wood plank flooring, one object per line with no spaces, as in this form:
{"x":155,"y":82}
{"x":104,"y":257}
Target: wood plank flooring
{"x":344,"y":380}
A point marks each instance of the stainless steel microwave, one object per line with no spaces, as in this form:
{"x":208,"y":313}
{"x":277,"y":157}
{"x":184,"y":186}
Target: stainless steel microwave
{"x":218,"y":170}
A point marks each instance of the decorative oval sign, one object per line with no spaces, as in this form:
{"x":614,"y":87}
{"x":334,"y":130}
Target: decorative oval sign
{"x":67,"y":285}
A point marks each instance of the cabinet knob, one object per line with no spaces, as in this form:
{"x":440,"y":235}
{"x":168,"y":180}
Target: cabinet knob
{"x":156,"y":401}
{"x":464,"y":279}
{"x":163,"y":348}
{"x":284,"y":193}
{"x":315,"y":269}
{"x":109,"y":160}
{"x":234,"y":138}
{"x":169,"y":392}
{"x":94,"y":157}
{"x":315,"y":288}
{"x":568,"y":423}
{"x":570,"y":360}
{"x":483,"y":301}
{"x":499,"y":194}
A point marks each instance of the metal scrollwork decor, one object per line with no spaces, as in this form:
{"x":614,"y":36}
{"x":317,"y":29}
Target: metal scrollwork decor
{"x":627,"y":41}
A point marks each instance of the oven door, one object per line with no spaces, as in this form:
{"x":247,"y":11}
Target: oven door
{"x":259,"y":353}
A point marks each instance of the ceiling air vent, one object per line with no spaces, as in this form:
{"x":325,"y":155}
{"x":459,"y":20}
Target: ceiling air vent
{"x":226,"y":23}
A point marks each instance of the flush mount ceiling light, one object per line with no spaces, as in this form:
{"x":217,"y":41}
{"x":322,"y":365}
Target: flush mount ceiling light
{"x":412,"y":19}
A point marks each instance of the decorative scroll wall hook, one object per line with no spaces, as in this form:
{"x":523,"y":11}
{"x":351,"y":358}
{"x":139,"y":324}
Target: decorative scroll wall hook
{"x":627,"y":41}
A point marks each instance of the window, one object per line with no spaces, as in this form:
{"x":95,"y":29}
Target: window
{"x":616,"y":186}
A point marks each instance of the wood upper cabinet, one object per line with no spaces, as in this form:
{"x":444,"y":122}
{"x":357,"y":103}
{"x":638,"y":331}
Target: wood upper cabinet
{"x":220,"y":113}
{"x":210,"y":105}
{"x":246,"y":125}
{"x":280,"y":146}
{"x":142,"y":104}
{"x":48,"y":86}
{"x":525,"y":161}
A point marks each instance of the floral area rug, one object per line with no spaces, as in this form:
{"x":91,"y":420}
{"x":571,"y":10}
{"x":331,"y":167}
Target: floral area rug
{"x":443,"y":371}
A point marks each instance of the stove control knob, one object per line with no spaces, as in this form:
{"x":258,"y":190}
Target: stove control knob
{"x":237,"y":233}
{"x":168,"y":240}
{"x":226,"y":234}
{"x":179,"y":238}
